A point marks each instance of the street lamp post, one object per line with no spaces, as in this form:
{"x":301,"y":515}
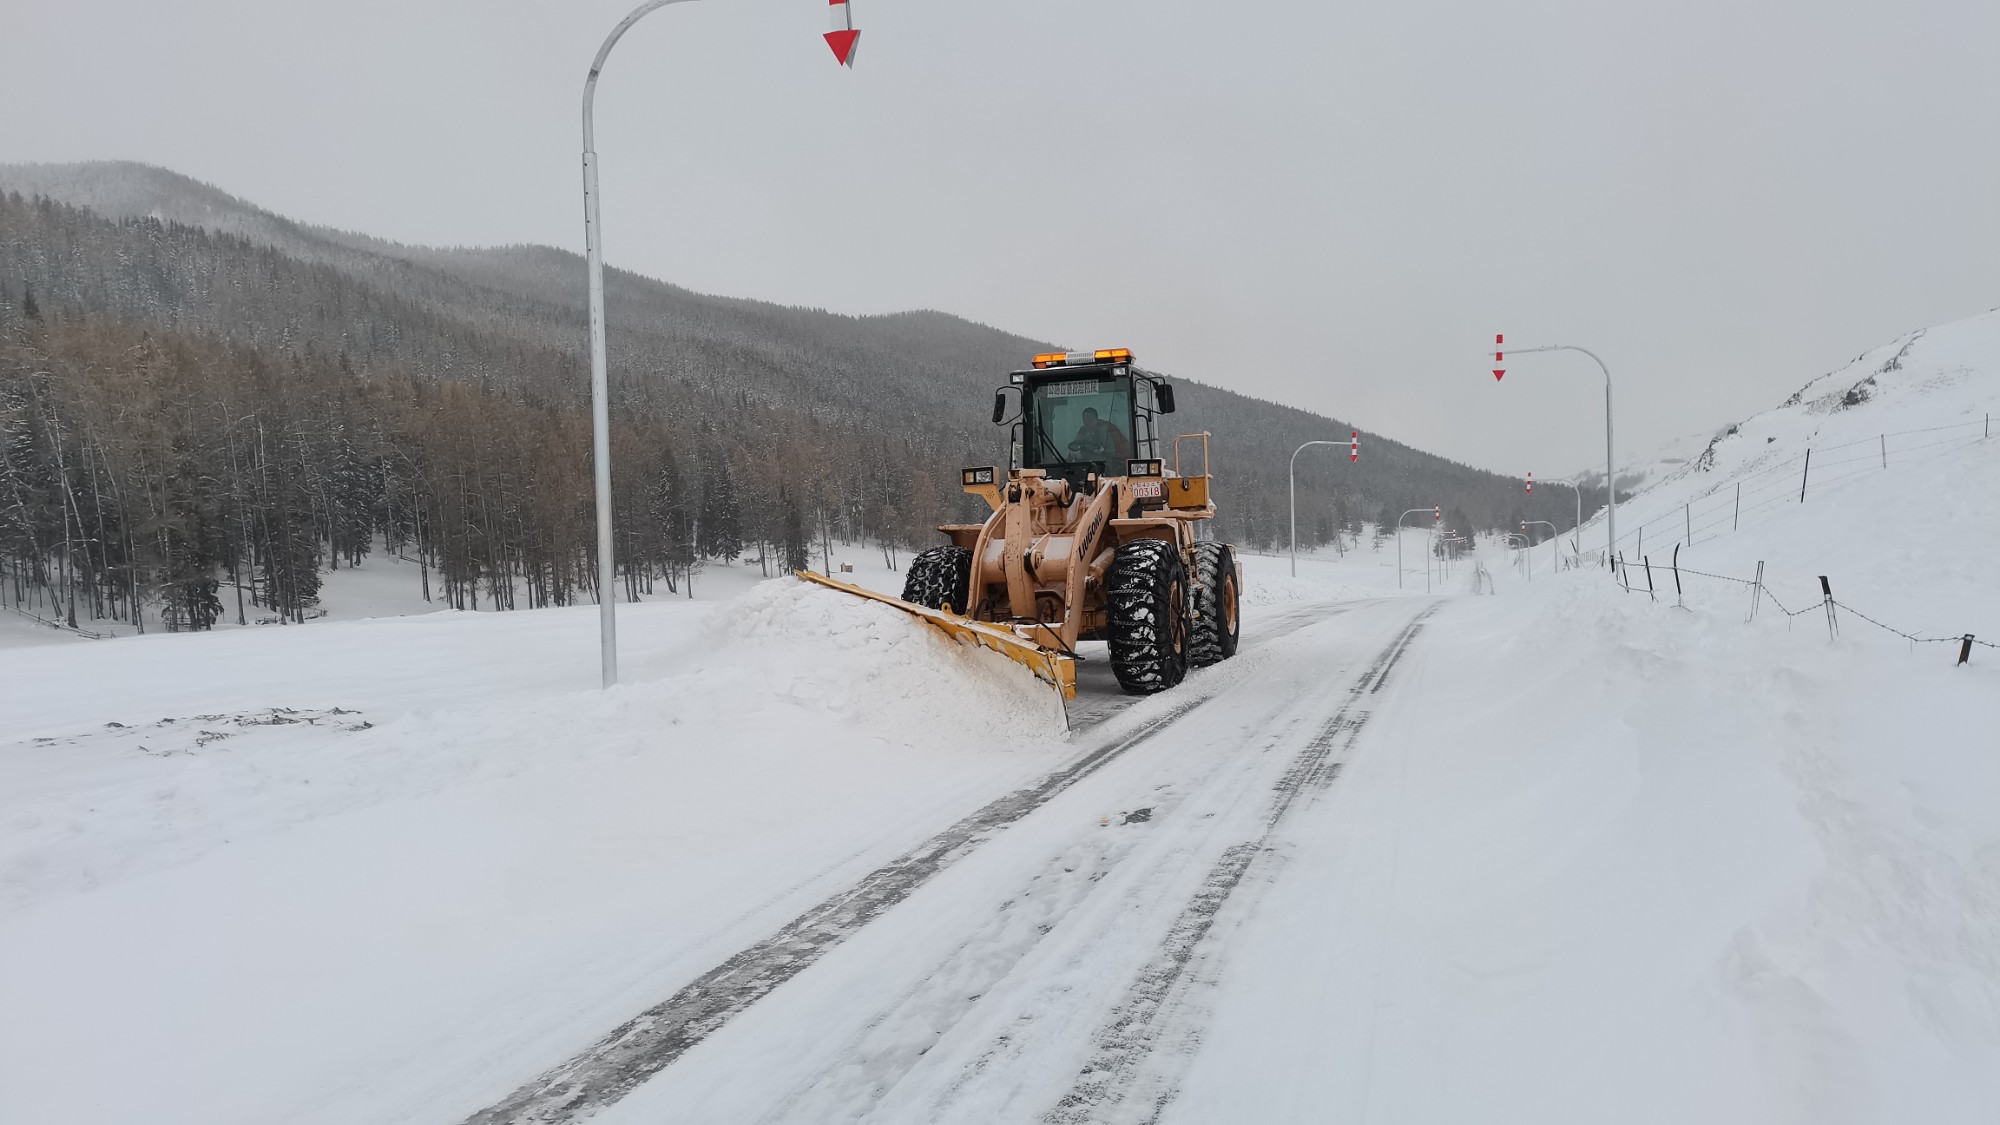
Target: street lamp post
{"x":842,"y":42}
{"x":1555,"y":536}
{"x":1399,"y":552}
{"x":1527,"y":567}
{"x":1577,"y":527}
{"x":1445,"y":543}
{"x":1610,"y":462}
{"x":600,"y":394}
{"x":1293,"y":478}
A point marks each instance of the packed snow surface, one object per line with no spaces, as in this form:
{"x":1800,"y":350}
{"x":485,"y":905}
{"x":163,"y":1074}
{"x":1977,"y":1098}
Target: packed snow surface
{"x":1569,"y":852}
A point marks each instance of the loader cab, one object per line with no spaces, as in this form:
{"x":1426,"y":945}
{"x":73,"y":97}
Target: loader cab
{"x":1088,"y":412}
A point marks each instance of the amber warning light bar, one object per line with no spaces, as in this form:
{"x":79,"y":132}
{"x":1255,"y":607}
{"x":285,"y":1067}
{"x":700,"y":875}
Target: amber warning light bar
{"x":1101,"y":355}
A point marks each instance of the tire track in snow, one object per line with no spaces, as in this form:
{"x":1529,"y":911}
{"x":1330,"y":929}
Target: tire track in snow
{"x":1099,"y":699}
{"x":1137,"y":1053}
{"x":872,"y":1062}
{"x":648,"y":1043}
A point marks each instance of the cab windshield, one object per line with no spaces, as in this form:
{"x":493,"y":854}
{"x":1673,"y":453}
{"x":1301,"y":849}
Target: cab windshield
{"x":1081,"y":422}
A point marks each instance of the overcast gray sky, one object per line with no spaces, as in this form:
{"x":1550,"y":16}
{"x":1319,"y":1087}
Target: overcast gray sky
{"x":1333,"y":205}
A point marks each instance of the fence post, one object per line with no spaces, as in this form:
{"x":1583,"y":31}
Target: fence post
{"x":1679,"y":599}
{"x":1885,"y":449}
{"x":1832,"y":626}
{"x":1687,"y":523}
{"x":1757,"y":590}
{"x":1803,"y":475}
{"x":1648,"y":563}
{"x":1965,"y":648}
{"x":1625,"y":572}
{"x":1736,"y":519}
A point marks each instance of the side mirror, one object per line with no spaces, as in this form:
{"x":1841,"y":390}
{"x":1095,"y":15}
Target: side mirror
{"x":999,"y":406}
{"x":1166,"y":393}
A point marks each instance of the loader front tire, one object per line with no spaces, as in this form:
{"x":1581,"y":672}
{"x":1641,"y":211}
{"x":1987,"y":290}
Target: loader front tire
{"x":1146,"y":595}
{"x":1216,"y":624}
{"x":939,"y":577}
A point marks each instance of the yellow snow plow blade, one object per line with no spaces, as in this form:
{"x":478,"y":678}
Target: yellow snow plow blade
{"x":1052,"y":668}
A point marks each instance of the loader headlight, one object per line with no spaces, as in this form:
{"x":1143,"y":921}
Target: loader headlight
{"x":1152,"y":468}
{"x":976,"y":476}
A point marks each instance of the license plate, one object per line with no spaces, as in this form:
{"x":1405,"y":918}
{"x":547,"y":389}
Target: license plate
{"x":1148,"y":489}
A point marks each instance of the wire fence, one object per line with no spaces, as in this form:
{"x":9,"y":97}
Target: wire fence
{"x":1761,"y":593}
{"x":1721,"y":508}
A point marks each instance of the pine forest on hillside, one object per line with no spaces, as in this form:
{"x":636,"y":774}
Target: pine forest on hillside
{"x":196,"y":421}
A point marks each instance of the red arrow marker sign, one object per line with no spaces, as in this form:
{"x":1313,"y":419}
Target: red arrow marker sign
{"x":842,"y":43}
{"x":844,"y":36}
{"x":1498,"y":339}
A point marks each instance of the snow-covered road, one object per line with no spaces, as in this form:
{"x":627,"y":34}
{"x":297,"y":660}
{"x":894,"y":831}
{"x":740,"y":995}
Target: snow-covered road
{"x":1059,"y":968}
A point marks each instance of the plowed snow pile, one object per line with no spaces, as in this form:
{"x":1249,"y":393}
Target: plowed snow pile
{"x":284,"y":875}
{"x":886,"y":672}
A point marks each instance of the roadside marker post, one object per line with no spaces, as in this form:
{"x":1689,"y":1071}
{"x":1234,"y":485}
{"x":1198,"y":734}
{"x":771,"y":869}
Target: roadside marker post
{"x":844,"y":38}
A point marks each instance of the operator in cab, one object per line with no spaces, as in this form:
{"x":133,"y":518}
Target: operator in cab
{"x":1100,"y":440}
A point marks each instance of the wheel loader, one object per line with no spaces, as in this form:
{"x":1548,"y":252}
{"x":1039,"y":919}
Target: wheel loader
{"x":1092,"y":534}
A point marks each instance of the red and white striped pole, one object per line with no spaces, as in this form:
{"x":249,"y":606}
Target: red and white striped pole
{"x":843,"y":38}
{"x":1531,"y":484}
{"x":1498,"y":339}
{"x":1354,"y":447}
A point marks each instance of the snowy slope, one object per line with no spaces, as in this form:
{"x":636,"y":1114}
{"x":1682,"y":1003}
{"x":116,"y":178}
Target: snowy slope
{"x":1897,"y":494}
{"x":1618,"y":858}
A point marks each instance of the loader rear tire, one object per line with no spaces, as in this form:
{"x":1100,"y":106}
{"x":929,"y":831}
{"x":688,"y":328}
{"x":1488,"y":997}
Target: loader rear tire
{"x":1146,"y":595}
{"x":939,"y":577}
{"x":1216,"y":624}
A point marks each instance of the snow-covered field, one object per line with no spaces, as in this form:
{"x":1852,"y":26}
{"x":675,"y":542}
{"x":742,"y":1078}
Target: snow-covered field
{"x":1564,"y":853}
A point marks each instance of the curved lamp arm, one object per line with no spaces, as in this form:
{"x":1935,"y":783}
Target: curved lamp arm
{"x":1291,"y":475}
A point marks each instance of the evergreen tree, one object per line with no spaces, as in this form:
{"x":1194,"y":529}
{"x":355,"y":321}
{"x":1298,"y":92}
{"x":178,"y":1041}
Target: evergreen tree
{"x":796,"y":546}
{"x":1385,"y":522}
{"x":720,"y":531}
